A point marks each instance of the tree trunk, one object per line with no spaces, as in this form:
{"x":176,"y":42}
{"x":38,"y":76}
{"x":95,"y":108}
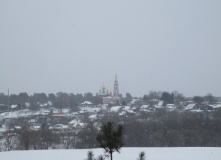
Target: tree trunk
{"x":111,"y":155}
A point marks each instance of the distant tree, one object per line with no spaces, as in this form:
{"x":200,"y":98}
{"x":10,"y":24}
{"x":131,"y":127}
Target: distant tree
{"x":198,"y":99}
{"x":52,"y":98}
{"x":142,"y":156}
{"x":110,"y":139}
{"x":73,"y":101}
{"x":48,"y":138}
{"x":178,"y":97}
{"x":14,"y":99}
{"x":155,"y":94}
{"x":124,"y":103}
{"x":3,"y":98}
{"x":68,"y":139}
{"x":87,"y":137}
{"x":35,"y":139}
{"x":39,"y":97}
{"x":128,"y":97}
{"x":25,"y":138}
{"x":98,"y":100}
{"x":167,"y":98}
{"x":209,"y":97}
{"x":152,"y":95}
{"x":23,"y":97}
{"x":145,"y":97}
{"x":10,"y":140}
{"x":89,"y":97}
{"x":79,"y":98}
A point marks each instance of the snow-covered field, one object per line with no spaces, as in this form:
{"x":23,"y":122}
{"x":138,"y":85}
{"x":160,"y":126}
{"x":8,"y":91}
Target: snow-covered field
{"x":188,"y":153}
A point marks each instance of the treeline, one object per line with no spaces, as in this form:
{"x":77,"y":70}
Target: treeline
{"x":26,"y":139}
{"x":161,"y":129}
{"x":174,"y":130}
{"x":59,"y":99}
{"x":168,"y":129}
{"x":70,"y":100}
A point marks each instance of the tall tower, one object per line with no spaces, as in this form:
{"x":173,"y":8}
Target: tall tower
{"x":116,"y":87}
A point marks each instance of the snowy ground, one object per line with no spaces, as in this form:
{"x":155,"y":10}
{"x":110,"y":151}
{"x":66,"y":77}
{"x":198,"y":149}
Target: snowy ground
{"x":188,"y":153}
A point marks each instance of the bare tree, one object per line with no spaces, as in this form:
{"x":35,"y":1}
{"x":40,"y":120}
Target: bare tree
{"x":10,"y":141}
{"x":48,"y":138}
{"x":25,"y":138}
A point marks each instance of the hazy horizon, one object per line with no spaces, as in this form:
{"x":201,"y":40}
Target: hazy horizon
{"x":77,"y":46}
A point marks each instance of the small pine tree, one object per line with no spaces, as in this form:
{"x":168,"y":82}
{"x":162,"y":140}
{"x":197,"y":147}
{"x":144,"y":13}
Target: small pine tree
{"x":110,"y":139}
{"x":100,"y":158}
{"x":90,"y":156}
{"x":142,"y":156}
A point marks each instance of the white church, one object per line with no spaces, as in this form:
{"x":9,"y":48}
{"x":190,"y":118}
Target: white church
{"x":107,"y":96}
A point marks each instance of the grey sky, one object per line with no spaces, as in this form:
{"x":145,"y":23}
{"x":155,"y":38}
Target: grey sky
{"x":75,"y":46}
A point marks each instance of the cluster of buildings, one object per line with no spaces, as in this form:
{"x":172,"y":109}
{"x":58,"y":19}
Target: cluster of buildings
{"x":66,"y":120}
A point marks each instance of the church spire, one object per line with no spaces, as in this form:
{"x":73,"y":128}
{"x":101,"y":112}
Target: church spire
{"x":116,"y":87}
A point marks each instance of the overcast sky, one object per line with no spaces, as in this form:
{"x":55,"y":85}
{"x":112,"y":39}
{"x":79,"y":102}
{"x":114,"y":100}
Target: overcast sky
{"x":75,"y":46}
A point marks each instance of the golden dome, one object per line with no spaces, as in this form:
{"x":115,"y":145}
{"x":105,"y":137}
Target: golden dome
{"x":103,"y":88}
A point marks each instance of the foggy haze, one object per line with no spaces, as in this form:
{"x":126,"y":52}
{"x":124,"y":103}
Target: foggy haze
{"x":77,"y":46}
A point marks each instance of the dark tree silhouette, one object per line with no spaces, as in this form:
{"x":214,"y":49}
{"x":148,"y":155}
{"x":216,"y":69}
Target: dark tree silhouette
{"x":110,"y":139}
{"x":90,"y":156}
{"x":167,"y":98}
{"x":142,"y":156}
{"x":198,"y":99}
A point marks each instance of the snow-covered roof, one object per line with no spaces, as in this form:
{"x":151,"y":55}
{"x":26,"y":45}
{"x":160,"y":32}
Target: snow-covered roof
{"x":93,"y":116}
{"x":125,"y":108}
{"x":35,"y":128}
{"x":130,"y":111}
{"x":65,"y":110}
{"x":86,"y":102}
{"x":197,"y":110}
{"x":144,"y":107}
{"x":134,"y":101}
{"x":158,"y":106}
{"x":73,"y":121}
{"x":170,"y":106}
{"x":3,"y":129}
{"x":32,"y":120}
{"x":122,"y":113}
{"x":160,"y":103}
{"x":190,"y":106}
{"x":154,"y":100}
{"x":43,"y":105}
{"x":145,"y":110}
{"x":27,"y":104}
{"x":14,"y":106}
{"x":79,"y":125}
{"x":90,"y":109}
{"x":217,"y":106}
{"x":83,"y":111}
{"x":59,"y":126}
{"x":115,"y":108}
{"x":17,"y":127}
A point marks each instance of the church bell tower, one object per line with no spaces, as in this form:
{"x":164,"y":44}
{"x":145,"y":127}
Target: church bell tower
{"x":116,"y":87}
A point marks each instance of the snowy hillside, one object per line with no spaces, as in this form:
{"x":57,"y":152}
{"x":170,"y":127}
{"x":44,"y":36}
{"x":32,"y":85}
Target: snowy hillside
{"x":187,"y":153}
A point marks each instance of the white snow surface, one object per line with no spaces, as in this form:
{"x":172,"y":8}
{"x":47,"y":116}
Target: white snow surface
{"x":178,"y":153}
